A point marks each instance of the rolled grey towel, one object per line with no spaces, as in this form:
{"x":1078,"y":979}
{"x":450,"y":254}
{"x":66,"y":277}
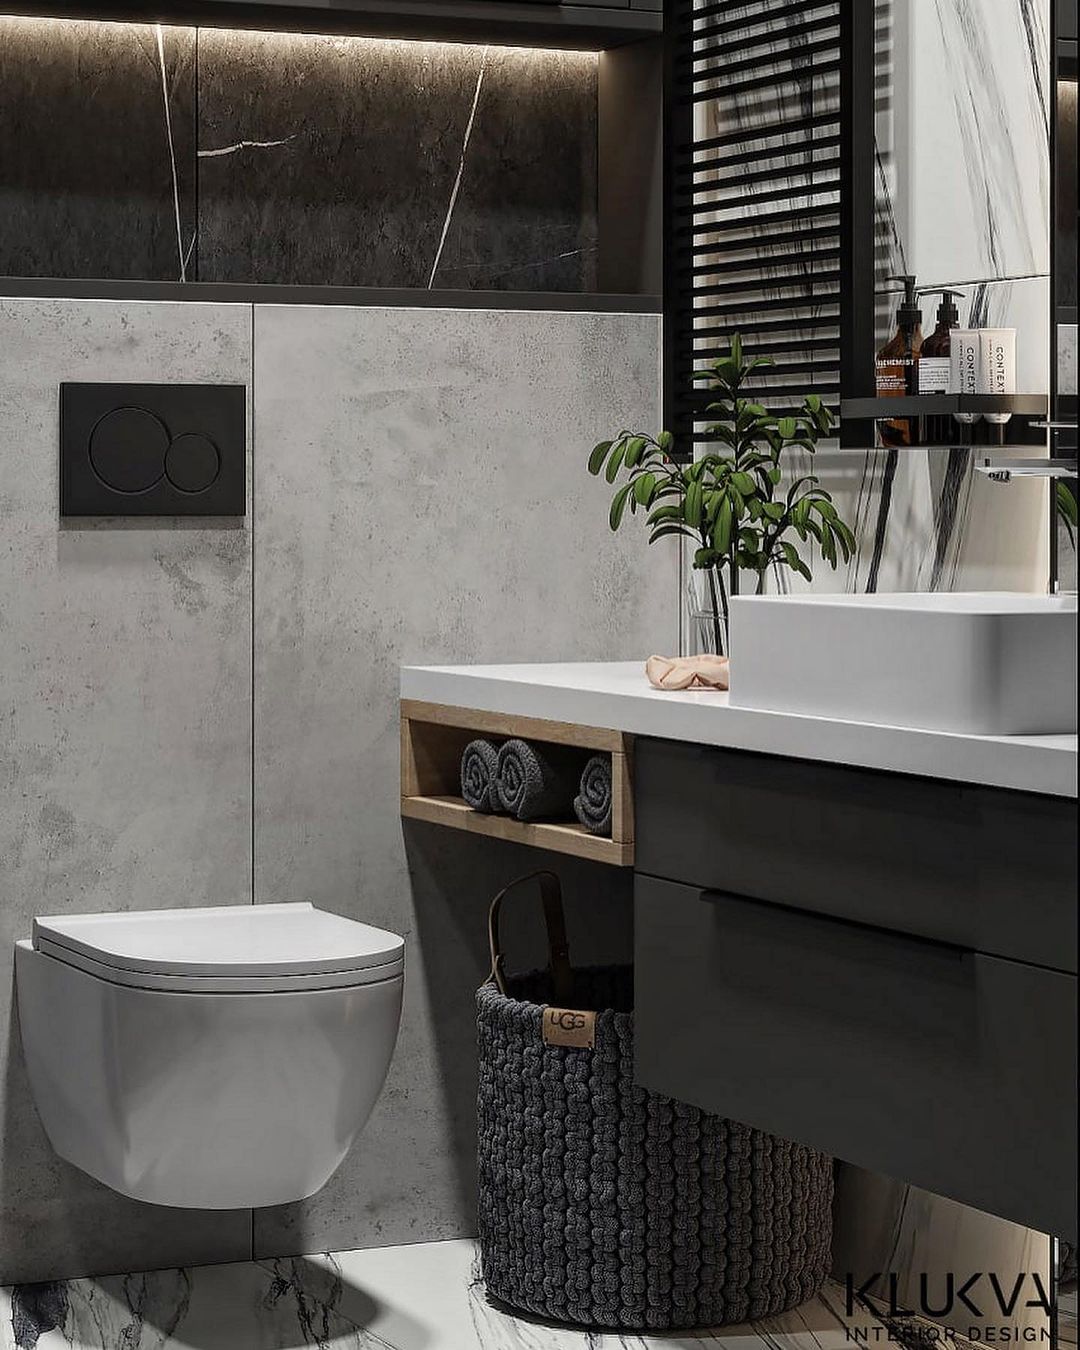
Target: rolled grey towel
{"x":479,"y":775}
{"x":592,"y":805}
{"x":538,"y":780}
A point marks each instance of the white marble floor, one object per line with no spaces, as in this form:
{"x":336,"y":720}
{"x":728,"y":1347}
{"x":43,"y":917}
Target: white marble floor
{"x":424,"y":1297}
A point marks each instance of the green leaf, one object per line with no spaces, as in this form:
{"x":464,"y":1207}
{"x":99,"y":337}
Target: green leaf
{"x":791,"y":557}
{"x":727,"y":373}
{"x":787,"y":428}
{"x":616,"y":460}
{"x":774,"y":510}
{"x":618,"y":506}
{"x":663,"y":513}
{"x":598,"y":455}
{"x":643,"y":488}
{"x":633,"y":450}
{"x":665,"y":530}
{"x":1066,"y":506}
{"x":665,"y":441}
{"x":744,"y":483}
{"x":693,"y":504}
{"x":723,"y":526}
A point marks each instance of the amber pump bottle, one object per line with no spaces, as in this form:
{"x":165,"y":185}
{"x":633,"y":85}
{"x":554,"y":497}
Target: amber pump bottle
{"x":935,"y":366}
{"x":898,"y":366}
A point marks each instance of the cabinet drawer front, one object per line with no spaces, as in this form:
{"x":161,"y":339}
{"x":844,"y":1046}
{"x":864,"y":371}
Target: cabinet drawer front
{"x":948,"y":1069}
{"x":980,"y":868}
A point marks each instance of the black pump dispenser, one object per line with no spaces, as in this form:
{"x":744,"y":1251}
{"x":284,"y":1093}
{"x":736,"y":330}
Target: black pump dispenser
{"x":948,"y":315}
{"x":908,"y":313}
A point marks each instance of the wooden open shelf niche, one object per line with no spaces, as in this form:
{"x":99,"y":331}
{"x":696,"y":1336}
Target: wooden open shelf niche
{"x":433,"y":736}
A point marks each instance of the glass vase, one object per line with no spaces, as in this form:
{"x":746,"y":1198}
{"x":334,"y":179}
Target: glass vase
{"x":706,"y":631}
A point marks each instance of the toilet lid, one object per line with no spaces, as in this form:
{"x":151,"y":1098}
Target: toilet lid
{"x":226,"y":948}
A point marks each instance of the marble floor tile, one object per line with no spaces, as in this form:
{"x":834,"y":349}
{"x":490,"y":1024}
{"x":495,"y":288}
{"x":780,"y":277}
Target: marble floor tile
{"x":287,"y":1306}
{"x":427,"y":1296}
{"x":430,"y":1297}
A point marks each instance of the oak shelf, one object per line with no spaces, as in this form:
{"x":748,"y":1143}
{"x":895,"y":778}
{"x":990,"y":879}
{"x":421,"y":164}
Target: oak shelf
{"x":433,"y":736}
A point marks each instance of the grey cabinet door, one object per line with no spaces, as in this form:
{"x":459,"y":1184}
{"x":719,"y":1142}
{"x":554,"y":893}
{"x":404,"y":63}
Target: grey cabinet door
{"x":981,"y":868}
{"x":946,"y":1068}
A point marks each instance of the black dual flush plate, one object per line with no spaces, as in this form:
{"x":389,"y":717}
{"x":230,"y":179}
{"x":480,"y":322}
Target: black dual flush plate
{"x":153,"y":449}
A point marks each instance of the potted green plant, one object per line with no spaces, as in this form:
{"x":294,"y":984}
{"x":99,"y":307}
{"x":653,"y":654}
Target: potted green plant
{"x":731,"y":501}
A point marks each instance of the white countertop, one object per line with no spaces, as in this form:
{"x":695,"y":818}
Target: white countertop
{"x":617,"y":696}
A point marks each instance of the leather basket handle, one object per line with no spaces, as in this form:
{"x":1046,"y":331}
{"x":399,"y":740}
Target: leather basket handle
{"x":555,"y":919}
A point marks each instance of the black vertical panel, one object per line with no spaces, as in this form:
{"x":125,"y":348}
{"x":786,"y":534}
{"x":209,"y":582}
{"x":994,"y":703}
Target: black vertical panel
{"x":857,"y":242}
{"x":753,"y":190}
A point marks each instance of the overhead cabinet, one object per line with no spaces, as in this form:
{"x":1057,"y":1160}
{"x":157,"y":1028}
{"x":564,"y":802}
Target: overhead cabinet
{"x":597,"y":24}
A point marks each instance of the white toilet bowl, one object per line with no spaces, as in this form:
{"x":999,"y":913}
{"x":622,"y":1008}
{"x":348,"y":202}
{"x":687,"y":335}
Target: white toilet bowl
{"x":208,"y":1058}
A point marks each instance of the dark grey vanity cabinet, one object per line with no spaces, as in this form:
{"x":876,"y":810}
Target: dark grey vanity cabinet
{"x":881,"y":967}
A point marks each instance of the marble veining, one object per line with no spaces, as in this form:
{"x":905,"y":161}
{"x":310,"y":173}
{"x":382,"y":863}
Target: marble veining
{"x":424,"y":1297}
{"x":962,"y":135}
{"x":81,"y":196}
{"x":461,"y":167}
{"x":239,"y":1307}
{"x":294,"y":158}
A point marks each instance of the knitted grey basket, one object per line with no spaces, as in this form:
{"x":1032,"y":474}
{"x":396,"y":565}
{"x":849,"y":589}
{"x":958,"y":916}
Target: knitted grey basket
{"x":606,"y":1206}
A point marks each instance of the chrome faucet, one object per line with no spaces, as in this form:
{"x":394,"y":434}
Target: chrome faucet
{"x":1000,"y":470}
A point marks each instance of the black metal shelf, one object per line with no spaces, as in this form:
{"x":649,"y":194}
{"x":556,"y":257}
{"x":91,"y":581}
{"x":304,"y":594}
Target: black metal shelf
{"x":930,"y":405}
{"x":987,"y":450}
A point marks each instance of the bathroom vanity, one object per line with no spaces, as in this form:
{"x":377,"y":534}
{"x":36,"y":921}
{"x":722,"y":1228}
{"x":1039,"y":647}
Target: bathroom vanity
{"x":859,"y":937}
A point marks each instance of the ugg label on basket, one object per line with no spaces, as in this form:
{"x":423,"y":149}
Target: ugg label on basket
{"x":568,"y":1027}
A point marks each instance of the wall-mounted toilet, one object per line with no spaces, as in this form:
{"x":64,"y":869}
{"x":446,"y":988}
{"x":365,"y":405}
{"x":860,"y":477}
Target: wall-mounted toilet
{"x":208,"y":1058}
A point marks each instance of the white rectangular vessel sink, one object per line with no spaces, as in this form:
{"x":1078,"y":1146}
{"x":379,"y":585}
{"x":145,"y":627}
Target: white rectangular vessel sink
{"x":993,"y":664}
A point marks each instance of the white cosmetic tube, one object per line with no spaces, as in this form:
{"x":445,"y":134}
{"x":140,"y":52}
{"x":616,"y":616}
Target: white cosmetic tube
{"x":997,"y":366}
{"x":965,"y":356}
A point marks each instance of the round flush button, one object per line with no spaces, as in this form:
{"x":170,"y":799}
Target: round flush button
{"x":192,"y":462}
{"x":127,"y":449}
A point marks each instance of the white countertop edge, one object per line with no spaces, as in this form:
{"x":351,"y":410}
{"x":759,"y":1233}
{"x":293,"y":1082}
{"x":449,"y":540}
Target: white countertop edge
{"x":616,"y":696}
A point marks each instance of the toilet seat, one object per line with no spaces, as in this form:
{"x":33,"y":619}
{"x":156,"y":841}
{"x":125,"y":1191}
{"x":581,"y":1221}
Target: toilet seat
{"x":221,"y":1058}
{"x":241,"y":949}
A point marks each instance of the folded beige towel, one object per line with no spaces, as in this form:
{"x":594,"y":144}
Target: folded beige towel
{"x":687,"y":672}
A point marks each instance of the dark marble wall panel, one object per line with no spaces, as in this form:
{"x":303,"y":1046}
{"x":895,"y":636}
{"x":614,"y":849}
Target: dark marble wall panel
{"x":356,"y":162}
{"x":525,"y":217}
{"x":97,"y":149}
{"x":146,"y":152}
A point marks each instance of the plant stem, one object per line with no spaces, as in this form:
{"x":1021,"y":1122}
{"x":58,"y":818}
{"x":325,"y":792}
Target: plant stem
{"x":712,"y":574}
